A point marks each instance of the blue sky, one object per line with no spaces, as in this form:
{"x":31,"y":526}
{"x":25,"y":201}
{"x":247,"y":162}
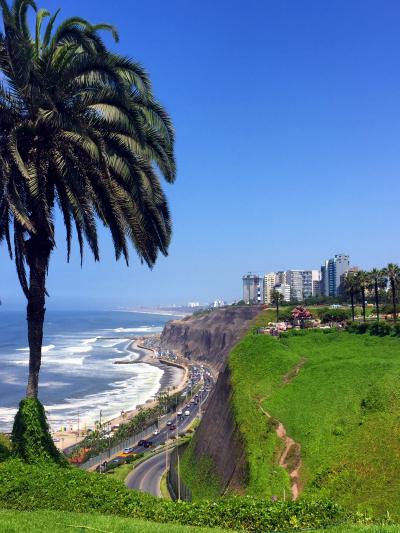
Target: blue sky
{"x":287,"y":118}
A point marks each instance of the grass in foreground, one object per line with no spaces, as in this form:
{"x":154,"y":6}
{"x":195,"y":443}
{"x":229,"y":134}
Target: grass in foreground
{"x":44,"y":486}
{"x":342,"y":408}
{"x":60,"y":522}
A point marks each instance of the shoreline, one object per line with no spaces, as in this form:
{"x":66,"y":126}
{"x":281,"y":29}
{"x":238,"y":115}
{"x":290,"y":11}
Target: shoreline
{"x":170,"y":380}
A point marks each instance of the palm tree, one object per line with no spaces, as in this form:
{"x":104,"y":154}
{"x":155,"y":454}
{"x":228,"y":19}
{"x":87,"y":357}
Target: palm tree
{"x":377,"y":282}
{"x":350,"y":286}
{"x":392,"y":272}
{"x":363,"y":282}
{"x":80,"y":132}
{"x":277,"y":298}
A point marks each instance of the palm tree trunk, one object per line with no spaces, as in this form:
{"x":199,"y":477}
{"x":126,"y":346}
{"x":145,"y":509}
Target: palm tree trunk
{"x":38,"y":253}
{"x":377,"y":299}
{"x":393,"y":287}
{"x":277,"y":312}
{"x":352,"y":305}
{"x":363,"y":303}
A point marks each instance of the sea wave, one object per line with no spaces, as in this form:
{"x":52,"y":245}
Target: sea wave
{"x":78,"y":349}
{"x":140,"y":329}
{"x":45,"y":349}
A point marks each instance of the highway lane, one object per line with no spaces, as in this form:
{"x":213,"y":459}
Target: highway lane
{"x":146,"y":477}
{"x":164,"y":433}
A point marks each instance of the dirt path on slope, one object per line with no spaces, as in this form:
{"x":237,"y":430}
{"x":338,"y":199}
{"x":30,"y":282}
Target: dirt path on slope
{"x":287,"y":378}
{"x":290,"y":458}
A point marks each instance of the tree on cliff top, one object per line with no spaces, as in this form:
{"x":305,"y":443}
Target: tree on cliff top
{"x":80,"y":132}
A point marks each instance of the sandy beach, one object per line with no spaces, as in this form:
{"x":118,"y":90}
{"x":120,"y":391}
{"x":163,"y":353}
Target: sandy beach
{"x":173,"y":379}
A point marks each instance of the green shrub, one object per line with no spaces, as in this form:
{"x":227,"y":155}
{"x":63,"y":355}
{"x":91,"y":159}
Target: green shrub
{"x":396,"y":330}
{"x":5,"y":447}
{"x":28,"y":487}
{"x":31,"y":439}
{"x":359,"y":329}
{"x":334,"y":315}
{"x":380,"y":329}
{"x":132,"y":458}
{"x":374,"y":400}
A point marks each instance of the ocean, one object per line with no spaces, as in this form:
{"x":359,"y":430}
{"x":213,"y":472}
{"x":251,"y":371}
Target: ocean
{"x":78,"y":377}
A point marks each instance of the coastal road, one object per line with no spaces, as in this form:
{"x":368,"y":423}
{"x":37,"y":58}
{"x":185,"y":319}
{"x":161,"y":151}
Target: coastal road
{"x":146,"y":477}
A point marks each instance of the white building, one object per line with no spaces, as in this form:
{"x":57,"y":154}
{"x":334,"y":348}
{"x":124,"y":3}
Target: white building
{"x":284,"y":289}
{"x":294,"y":278}
{"x":269,"y":284}
{"x":251,"y":288}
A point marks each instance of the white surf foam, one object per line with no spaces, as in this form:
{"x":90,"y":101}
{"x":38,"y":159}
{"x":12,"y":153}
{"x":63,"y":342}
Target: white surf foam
{"x":45,"y":349}
{"x":140,"y":329}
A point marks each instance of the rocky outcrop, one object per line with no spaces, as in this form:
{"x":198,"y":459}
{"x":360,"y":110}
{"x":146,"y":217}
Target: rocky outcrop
{"x":208,"y":337}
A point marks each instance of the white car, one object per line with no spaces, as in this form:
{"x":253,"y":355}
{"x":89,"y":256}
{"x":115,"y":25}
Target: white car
{"x":179,"y":413}
{"x":156,"y":432}
{"x":187,"y":412}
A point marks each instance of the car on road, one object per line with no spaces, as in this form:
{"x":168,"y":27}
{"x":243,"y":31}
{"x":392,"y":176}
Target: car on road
{"x":148,"y":443}
{"x":179,"y":413}
{"x":187,"y":412}
{"x":169,"y":422}
{"x":119,"y":460}
{"x":128,"y":451}
{"x":172,"y":427}
{"x":156,"y":432}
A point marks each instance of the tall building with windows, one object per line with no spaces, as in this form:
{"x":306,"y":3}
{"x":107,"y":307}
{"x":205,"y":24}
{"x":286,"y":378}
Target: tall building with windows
{"x":324,"y":283}
{"x":294,"y":278}
{"x":311,"y":280}
{"x":269,"y":284}
{"x":280,"y":277}
{"x":316,"y":282}
{"x":251,"y":288}
{"x":332,"y":272}
{"x":284,"y":289}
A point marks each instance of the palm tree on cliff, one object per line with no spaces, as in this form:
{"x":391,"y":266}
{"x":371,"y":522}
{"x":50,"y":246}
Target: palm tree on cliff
{"x":276,"y":299}
{"x":80,"y":132}
{"x":363,"y":282}
{"x":392,"y":272}
{"x":350,"y":286}
{"x":377,"y":282}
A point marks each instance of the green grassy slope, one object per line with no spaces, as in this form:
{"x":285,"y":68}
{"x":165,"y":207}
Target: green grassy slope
{"x":343,"y":408}
{"x":60,"y":522}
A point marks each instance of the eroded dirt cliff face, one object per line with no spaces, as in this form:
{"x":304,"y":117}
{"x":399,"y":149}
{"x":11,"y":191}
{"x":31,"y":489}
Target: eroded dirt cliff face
{"x":218,"y":438}
{"x":209,"y":337}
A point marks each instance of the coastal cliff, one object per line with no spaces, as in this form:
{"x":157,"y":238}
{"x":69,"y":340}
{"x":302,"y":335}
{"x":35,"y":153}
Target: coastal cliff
{"x":208,"y":337}
{"x":217,"y":451}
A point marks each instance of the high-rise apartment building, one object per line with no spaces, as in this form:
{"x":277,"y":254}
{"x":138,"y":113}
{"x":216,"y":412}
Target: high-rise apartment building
{"x":316,"y":282}
{"x":324,"y":283}
{"x":280,"y":277}
{"x":311,"y":279}
{"x":331,"y":273}
{"x":251,"y":288}
{"x":269,"y":284}
{"x":294,"y":278}
{"x":284,"y":289}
